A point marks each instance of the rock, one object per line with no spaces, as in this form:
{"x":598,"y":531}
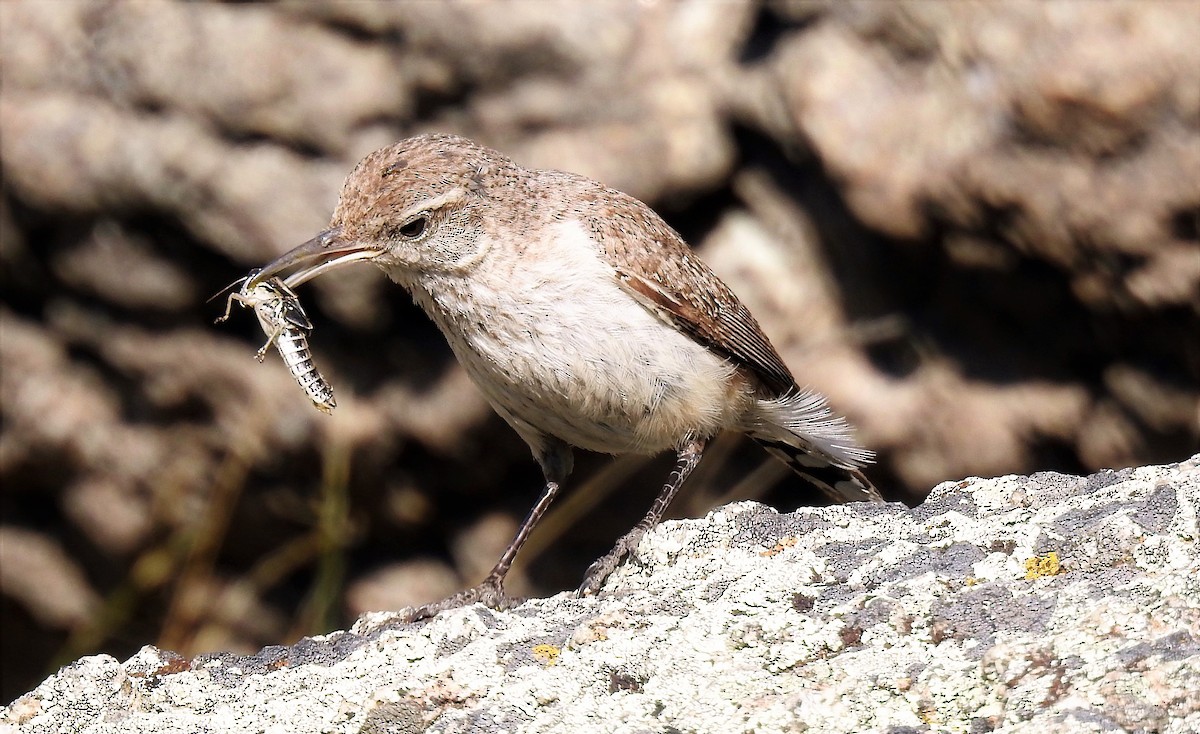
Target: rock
{"x":1048,"y":602}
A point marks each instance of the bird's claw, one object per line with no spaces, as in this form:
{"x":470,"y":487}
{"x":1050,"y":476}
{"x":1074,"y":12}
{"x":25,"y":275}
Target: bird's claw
{"x":490,"y":593}
{"x":599,"y":571}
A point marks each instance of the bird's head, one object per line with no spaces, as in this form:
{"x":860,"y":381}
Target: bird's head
{"x":410,"y":208}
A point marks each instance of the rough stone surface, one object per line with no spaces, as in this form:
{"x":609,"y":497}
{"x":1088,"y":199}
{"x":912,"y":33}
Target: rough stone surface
{"x":1047,"y":603}
{"x":975,"y":226}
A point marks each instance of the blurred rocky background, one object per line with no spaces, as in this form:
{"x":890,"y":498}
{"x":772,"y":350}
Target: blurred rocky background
{"x":973,"y":225}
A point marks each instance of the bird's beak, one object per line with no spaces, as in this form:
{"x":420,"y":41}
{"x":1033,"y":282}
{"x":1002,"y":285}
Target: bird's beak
{"x":321,"y":254}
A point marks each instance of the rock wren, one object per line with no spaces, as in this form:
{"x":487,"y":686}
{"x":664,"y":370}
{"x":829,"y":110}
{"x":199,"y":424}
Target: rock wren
{"x":583,"y":318}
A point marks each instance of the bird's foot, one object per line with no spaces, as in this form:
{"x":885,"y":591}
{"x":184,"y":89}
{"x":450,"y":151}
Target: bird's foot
{"x":490,"y":593}
{"x":599,"y":571}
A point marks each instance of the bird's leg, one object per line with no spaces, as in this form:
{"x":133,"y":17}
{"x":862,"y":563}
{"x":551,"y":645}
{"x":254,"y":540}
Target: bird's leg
{"x":688,"y":457}
{"x":491,"y":593}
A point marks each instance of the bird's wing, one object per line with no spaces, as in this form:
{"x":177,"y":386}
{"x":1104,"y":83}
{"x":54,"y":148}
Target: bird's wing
{"x":654,"y":265}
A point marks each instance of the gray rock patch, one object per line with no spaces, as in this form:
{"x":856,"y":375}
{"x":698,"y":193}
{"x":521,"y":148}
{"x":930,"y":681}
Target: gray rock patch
{"x":950,"y":617}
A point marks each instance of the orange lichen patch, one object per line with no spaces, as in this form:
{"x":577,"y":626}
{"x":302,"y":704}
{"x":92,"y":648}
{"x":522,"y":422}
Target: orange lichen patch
{"x":547,"y":655}
{"x":1044,"y":565}
{"x":779,"y":547}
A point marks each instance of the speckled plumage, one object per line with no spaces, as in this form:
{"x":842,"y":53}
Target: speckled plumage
{"x":583,"y":317}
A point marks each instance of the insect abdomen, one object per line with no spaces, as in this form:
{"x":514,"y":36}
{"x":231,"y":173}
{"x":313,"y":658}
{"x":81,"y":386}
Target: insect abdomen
{"x":292,"y":344}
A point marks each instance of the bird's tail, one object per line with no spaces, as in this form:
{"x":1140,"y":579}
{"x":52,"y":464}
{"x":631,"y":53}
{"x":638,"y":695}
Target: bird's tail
{"x":838,"y":483}
{"x":802,"y":431}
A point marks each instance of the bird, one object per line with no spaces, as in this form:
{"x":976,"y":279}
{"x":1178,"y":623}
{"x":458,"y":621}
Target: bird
{"x":584,"y":319}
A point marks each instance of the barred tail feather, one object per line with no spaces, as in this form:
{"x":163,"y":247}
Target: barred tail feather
{"x":801,"y":430}
{"x":838,"y":483}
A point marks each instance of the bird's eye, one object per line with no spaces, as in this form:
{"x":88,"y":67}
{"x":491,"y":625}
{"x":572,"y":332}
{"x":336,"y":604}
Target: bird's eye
{"x":415,"y":228}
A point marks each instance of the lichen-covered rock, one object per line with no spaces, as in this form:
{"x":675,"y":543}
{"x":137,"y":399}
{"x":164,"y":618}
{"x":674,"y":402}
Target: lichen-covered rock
{"x":1047,"y":602}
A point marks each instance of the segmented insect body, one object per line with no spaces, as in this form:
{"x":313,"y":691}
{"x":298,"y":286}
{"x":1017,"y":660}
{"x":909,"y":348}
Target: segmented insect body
{"x":283,"y":320}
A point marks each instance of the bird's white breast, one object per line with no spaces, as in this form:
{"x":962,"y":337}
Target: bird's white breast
{"x":550,"y":336}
